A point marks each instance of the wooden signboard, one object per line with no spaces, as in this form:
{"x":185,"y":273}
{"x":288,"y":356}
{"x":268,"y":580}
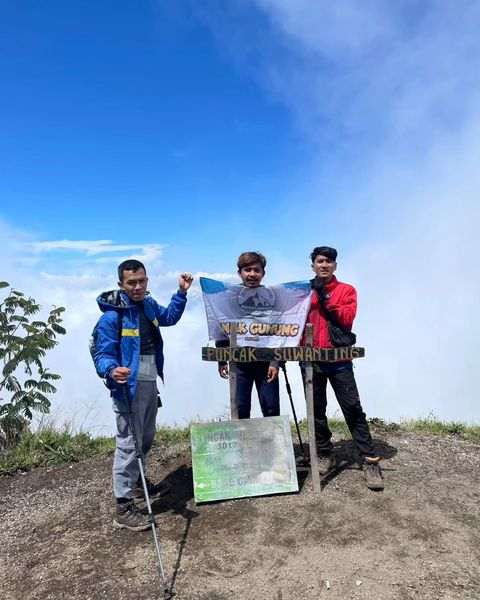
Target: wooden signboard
{"x":240,"y":458}
{"x":287,"y":353}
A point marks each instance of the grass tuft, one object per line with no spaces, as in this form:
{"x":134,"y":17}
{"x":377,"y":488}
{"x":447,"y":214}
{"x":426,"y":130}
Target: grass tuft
{"x":49,"y":446}
{"x":432,"y":425}
{"x":336,"y":426}
{"x":426,"y":425}
{"x":168,"y":435}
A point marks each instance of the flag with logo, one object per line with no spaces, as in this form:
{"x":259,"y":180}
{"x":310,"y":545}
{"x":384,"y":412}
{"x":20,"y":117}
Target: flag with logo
{"x":266,"y":317}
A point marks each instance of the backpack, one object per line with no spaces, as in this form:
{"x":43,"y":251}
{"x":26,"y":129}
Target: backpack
{"x":92,"y":343}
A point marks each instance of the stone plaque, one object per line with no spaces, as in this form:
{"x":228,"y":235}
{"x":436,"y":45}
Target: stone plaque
{"x":246,"y":457}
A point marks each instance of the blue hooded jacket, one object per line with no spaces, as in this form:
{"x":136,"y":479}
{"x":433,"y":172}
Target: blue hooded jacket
{"x":116,"y":337}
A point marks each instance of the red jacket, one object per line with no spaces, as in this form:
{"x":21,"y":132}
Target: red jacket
{"x":341,"y":301}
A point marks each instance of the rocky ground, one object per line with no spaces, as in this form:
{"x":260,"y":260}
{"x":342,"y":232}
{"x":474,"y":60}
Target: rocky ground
{"x":420,"y":538}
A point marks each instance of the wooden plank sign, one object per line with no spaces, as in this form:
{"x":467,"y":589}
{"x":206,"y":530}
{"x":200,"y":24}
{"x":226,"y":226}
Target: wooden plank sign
{"x":296,"y":353}
{"x":241,"y":458}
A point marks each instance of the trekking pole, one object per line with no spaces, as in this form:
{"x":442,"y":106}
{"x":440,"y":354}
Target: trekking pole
{"x":167,"y":592}
{"x":289,"y":392}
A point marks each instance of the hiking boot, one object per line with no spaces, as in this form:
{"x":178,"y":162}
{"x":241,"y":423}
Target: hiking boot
{"x":154,"y":489}
{"x":373,"y":476}
{"x":129,"y":516}
{"x":326,"y":463}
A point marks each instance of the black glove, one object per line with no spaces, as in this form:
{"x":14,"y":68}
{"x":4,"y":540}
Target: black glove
{"x":317,"y":284}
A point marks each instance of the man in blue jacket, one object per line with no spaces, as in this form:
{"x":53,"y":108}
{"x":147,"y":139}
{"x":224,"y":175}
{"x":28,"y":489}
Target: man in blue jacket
{"x":127,"y":349}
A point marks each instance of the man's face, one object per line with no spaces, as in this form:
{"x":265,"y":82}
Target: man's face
{"x":134,"y":284}
{"x":252,"y":275}
{"x":323,"y":267}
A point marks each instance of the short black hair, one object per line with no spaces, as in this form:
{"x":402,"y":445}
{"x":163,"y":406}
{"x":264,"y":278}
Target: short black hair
{"x":129,"y":265}
{"x":247,"y":259}
{"x":327,"y":251}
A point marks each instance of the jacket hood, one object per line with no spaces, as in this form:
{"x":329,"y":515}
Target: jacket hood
{"x":115,"y":300}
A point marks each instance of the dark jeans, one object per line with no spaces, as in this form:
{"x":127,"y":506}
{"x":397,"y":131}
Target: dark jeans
{"x":268,"y":394}
{"x":343,"y":383}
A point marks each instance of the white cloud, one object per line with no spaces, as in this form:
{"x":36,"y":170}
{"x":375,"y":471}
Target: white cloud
{"x":93,"y":248}
{"x":352,"y":27}
{"x":392,"y":87}
{"x":419,"y":289}
{"x":192,"y":388}
{"x":396,"y":84}
{"x":356,"y":73}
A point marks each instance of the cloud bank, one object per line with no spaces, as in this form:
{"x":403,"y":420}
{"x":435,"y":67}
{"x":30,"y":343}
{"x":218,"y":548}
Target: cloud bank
{"x":82,"y":401}
{"x":389,"y":95}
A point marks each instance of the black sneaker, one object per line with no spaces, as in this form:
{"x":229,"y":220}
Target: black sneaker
{"x":154,"y":489}
{"x":129,"y":516}
{"x":326,"y":463}
{"x":373,"y":476}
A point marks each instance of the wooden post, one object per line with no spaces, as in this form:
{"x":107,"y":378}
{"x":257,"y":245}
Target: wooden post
{"x":310,"y":414}
{"x":232,"y":374}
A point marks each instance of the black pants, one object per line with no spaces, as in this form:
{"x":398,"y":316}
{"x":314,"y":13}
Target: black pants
{"x":268,"y":393}
{"x":343,"y":383}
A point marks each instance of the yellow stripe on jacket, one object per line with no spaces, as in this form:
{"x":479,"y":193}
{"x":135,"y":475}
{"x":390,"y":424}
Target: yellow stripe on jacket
{"x":130,"y":333}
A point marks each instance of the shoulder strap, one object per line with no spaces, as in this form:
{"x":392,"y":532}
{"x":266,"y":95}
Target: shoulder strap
{"x":329,"y":315}
{"x":120,"y":327}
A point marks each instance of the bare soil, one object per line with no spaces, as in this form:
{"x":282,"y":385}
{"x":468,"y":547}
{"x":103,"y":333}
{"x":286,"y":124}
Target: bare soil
{"x":418,"y":539}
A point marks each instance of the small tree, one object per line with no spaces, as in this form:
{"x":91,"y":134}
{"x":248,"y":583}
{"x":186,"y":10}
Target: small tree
{"x":23,"y":345}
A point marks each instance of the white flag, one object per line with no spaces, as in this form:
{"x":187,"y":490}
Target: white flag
{"x":266,"y":317}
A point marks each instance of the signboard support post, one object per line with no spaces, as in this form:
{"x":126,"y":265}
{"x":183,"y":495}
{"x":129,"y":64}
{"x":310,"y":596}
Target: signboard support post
{"x":232,"y":374}
{"x":310,"y":414}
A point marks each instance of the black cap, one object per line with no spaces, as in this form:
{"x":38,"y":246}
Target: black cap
{"x":327,"y":251}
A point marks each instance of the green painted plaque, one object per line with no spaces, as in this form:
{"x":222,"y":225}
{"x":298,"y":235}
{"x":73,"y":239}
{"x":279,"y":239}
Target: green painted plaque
{"x":246,"y":457}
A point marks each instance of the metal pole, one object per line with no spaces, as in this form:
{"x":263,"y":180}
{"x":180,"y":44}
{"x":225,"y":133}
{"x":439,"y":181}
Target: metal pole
{"x":310,"y":414}
{"x":167,"y":593}
{"x":289,"y":392}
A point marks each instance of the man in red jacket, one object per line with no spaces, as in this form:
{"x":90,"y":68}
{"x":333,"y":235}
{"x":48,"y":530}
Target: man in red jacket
{"x":334,"y":302}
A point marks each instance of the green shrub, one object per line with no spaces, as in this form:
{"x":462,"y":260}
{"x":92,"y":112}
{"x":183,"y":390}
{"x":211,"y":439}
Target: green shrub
{"x":25,"y":383}
{"x":50,"y":446}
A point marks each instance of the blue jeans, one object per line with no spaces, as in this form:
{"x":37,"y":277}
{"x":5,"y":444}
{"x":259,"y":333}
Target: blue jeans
{"x":268,"y":394}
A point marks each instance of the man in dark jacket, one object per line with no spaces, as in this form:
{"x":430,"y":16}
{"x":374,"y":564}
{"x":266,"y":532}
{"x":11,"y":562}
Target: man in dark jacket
{"x":127,"y":349}
{"x":334,"y":302}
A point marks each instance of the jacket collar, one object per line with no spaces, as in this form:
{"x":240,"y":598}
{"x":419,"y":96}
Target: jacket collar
{"x":128,"y":302}
{"x":331,"y":284}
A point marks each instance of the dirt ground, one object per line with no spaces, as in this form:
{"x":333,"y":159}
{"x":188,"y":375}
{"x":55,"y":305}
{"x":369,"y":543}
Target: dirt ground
{"x":420,"y":538}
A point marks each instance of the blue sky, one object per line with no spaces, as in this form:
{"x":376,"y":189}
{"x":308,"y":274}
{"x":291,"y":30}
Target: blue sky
{"x":184,"y":133}
{"x":126,"y":121}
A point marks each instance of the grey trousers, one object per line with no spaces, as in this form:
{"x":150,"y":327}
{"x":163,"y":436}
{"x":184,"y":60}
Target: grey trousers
{"x":144,"y":413}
